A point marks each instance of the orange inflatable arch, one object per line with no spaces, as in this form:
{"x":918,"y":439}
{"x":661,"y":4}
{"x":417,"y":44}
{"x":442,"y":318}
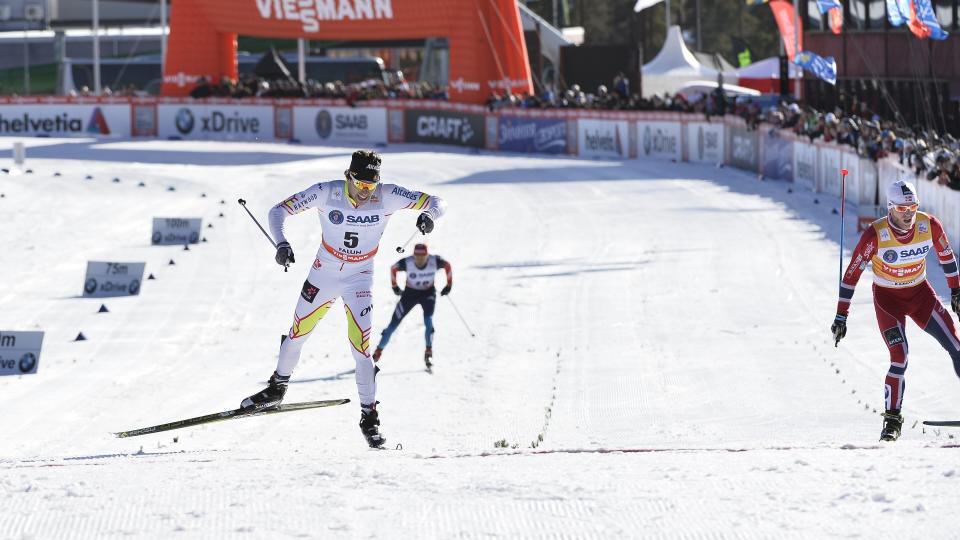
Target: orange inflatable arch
{"x":487,"y":51}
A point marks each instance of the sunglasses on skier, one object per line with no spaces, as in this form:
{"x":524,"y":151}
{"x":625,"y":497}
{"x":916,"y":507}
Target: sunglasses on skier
{"x":905,"y":207}
{"x":362,"y":184}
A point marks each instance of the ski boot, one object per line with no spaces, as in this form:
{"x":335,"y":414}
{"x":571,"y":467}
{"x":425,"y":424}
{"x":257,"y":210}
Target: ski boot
{"x":376,"y":354}
{"x":370,"y":425}
{"x":271,"y":396}
{"x":892,"y":422}
{"x":428,"y":358}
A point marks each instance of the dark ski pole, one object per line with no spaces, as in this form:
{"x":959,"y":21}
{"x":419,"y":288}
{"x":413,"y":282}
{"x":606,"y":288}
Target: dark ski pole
{"x":243,"y":203}
{"x":400,"y":249}
{"x":464,"y":321}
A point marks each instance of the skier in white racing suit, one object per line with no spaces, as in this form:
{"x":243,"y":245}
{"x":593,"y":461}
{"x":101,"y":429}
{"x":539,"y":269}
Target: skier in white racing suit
{"x":353,"y":215}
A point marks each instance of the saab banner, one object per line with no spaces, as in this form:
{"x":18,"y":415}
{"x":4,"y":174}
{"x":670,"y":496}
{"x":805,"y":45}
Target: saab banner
{"x":548,"y":136}
{"x":20,"y":352}
{"x":216,"y":122}
{"x":445,"y":127}
{"x":777,"y":156}
{"x":602,"y":138}
{"x":340,"y":125}
{"x":659,"y":140}
{"x":805,"y":164}
{"x":112,"y":279}
{"x":175,"y":231}
{"x":743,"y":148}
{"x":705,"y":142}
{"x":65,"y":120}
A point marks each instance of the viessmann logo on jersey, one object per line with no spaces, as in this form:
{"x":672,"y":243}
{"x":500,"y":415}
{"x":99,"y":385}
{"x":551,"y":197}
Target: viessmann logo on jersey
{"x":311,"y":12}
{"x":62,"y":123}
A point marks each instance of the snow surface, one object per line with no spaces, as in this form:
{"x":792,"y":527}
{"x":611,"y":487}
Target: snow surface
{"x":663,"y":328}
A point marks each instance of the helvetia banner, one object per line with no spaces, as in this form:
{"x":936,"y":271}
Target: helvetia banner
{"x":444,"y":127}
{"x":340,"y":125}
{"x":548,"y":136}
{"x":20,"y":352}
{"x":602,"y":138}
{"x":65,"y":120}
{"x":216,"y":122}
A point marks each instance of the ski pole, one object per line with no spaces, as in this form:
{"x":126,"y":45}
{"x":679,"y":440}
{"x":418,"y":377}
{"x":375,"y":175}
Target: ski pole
{"x":461,"y":317}
{"x":400,"y":249}
{"x":843,"y":204}
{"x":243,"y":203}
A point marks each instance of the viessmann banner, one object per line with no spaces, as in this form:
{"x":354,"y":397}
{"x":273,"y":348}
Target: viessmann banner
{"x":340,"y":125}
{"x":216,"y":122}
{"x":444,"y":127}
{"x":65,"y":120}
{"x":516,"y":134}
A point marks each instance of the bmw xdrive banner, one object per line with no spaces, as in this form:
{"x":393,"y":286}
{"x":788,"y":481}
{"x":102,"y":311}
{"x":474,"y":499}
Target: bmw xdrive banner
{"x":340,"y":125}
{"x":216,"y":122}
{"x":548,"y":136}
{"x":444,"y":127}
{"x":65,"y":120}
{"x":659,"y":140}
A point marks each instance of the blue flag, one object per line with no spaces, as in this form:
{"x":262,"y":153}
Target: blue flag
{"x":898,"y":11}
{"x":824,"y":68}
{"x":827,"y":5}
{"x":928,"y":25}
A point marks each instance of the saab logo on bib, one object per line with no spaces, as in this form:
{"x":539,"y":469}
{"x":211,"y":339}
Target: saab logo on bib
{"x":362,"y":219}
{"x":914,"y":252}
{"x":890,"y":255}
{"x":336,"y":217}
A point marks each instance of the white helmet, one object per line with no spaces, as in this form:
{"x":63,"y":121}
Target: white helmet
{"x":902,"y":192}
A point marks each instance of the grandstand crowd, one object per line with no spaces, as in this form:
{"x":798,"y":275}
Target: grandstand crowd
{"x":851,"y":123}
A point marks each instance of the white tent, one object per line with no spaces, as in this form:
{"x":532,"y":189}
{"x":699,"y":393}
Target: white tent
{"x":768,"y":68}
{"x":675,"y":66}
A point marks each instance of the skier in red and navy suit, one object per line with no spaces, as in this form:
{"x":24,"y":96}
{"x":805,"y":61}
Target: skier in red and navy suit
{"x":896,"y":247}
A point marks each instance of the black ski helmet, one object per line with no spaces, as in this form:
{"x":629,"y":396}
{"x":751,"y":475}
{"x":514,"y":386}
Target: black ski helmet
{"x":365,"y":166}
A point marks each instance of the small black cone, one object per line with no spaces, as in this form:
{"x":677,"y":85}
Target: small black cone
{"x":103,"y":309}
{"x":789,"y":190}
{"x":80,"y":337}
{"x":203,"y":195}
{"x":116,"y":180}
{"x":186,"y":247}
{"x":171,"y":188}
{"x":141,"y":184}
{"x":223,"y":201}
{"x":221,"y":214}
{"x":57,"y":173}
{"x":2,"y":196}
{"x":204,"y":239}
{"x":816,"y":201}
{"x":5,"y":170}
{"x":88,"y":177}
{"x":171,"y":262}
{"x":834,"y":211}
{"x":209,"y":225}
{"x":151,"y":277}
{"x":29,"y":171}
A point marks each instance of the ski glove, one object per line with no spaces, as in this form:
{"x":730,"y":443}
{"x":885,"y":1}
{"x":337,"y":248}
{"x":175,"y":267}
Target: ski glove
{"x":839,"y":328}
{"x":446,"y":290}
{"x":425,"y":223}
{"x":284,"y":254}
{"x":397,"y":290}
{"x":955,"y":300}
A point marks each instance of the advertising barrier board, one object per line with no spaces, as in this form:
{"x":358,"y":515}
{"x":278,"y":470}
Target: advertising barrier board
{"x":542,"y":135}
{"x":705,"y":142}
{"x":659,"y":140}
{"x":777,"y":156}
{"x":351,"y":126}
{"x":20,"y":352}
{"x":602,"y":138}
{"x":175,"y":231}
{"x":805,"y":165}
{"x":744,"y":153}
{"x":444,"y":127}
{"x":216,"y":122}
{"x":65,"y":120}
